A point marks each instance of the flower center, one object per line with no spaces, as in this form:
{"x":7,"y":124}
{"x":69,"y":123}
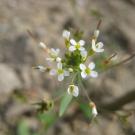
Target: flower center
{"x":77,"y":46}
{"x":87,"y":70}
{"x":53,"y":55}
{"x":60,"y":71}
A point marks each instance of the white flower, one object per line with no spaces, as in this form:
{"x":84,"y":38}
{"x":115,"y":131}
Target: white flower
{"x":97,"y":47}
{"x":66,"y":34}
{"x":54,"y":52}
{"x":94,"y":110}
{"x":58,"y":59}
{"x":54,"y":55}
{"x":88,"y":71}
{"x":73,"y":90}
{"x":59,"y":71}
{"x":76,"y":45}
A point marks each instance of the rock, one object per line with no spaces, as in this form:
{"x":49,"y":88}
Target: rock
{"x":9,"y":80}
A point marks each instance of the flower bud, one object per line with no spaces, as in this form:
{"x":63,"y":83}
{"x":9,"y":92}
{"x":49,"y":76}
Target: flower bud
{"x":70,"y":70}
{"x":40,"y":68}
{"x":73,"y":90}
{"x":42,"y":45}
{"x":94,"y":110}
{"x":96,"y":33}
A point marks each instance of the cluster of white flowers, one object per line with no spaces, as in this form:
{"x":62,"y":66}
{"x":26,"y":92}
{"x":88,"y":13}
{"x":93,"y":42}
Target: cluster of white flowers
{"x":73,"y":47}
{"x":85,"y":71}
{"x":73,"y":61}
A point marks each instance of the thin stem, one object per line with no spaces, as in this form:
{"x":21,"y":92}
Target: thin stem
{"x":99,"y":24}
{"x":32,"y":35}
{"x":59,"y":92}
{"x":72,"y":82}
{"x":85,"y":91}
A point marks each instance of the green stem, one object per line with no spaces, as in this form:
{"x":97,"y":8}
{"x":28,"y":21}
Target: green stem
{"x":72,"y":82}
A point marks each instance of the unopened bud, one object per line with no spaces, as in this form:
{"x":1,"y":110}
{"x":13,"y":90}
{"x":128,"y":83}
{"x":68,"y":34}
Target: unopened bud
{"x":96,"y":33}
{"x":94,"y":110}
{"x":70,"y":70}
{"x":58,"y":59}
{"x":42,"y":45}
{"x":40,"y":68}
{"x":66,"y":34}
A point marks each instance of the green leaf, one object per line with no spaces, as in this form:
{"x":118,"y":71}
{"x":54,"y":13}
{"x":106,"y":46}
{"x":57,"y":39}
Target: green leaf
{"x":35,"y":134}
{"x":64,"y":103}
{"x":48,"y":119}
{"x":86,"y":109}
{"x":23,"y":128}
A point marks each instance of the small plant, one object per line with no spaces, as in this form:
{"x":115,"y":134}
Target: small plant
{"x":73,"y":64}
{"x":76,"y":65}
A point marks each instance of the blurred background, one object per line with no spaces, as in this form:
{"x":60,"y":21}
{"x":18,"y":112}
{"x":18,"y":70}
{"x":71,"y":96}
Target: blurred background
{"x":20,"y":85}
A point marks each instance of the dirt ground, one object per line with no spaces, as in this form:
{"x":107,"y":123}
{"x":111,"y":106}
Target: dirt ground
{"x":47,"y":19}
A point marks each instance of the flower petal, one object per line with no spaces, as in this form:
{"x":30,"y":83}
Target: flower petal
{"x":60,"y":77}
{"x":69,"y":92}
{"x":72,"y":48}
{"x":58,"y":59}
{"x":84,"y":53}
{"x":92,"y":65}
{"x":99,"y":50}
{"x":82,"y":67}
{"x":99,"y":45}
{"x":94,"y":74}
{"x":59,"y":65}
{"x":81,"y":48}
{"x":52,"y":72}
{"x":66,"y":34}
{"x":73,"y":42}
{"x":53,"y":50}
{"x":83,"y":74}
{"x":76,"y":91}
{"x":82,"y":42}
{"x":66,"y":73}
{"x":73,"y":90}
{"x":94,"y":111}
{"x":57,"y":51}
{"x":94,"y":45}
